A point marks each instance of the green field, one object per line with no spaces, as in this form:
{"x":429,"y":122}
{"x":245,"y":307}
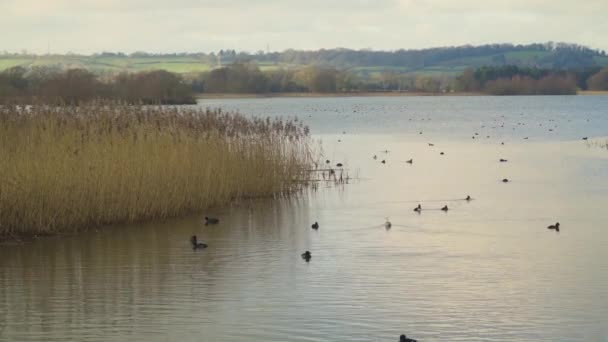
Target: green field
{"x":117,"y":64}
{"x":186,"y":64}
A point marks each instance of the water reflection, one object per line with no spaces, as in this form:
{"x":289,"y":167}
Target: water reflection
{"x":488,"y":269}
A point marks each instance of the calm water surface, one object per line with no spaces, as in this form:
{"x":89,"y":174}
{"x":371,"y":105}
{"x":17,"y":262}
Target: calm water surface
{"x":487,"y":270}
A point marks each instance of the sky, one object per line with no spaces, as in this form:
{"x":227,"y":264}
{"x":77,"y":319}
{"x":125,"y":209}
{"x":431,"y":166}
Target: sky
{"x":90,"y":26}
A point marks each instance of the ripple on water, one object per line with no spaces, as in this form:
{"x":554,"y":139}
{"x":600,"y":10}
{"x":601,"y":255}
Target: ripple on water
{"x":486,"y":270}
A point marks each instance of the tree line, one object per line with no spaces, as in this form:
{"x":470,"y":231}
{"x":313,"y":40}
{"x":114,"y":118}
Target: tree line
{"x":73,"y":86}
{"x":514,"y":80}
{"x":497,"y":80}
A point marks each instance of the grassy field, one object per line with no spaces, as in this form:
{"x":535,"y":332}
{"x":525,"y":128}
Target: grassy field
{"x":173,"y":64}
{"x":67,"y":168}
{"x":185,"y":64}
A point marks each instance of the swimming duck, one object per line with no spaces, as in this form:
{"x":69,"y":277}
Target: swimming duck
{"x":445,"y":208}
{"x":383,"y":161}
{"x":375,"y":157}
{"x":431,"y":144}
{"x":468,"y":198}
{"x":315,"y":226}
{"x":554,"y":227}
{"x":442,"y":153}
{"x":411,"y":161}
{"x":388,"y":224}
{"x":339,"y":165}
{"x":306,"y":256}
{"x":404,"y":338}
{"x":418,"y":208}
{"x":585,"y":138}
{"x":211,"y":220}
{"x":196,"y":244}
{"x":503,"y":160}
{"x":327,"y":161}
{"x":505,"y":180}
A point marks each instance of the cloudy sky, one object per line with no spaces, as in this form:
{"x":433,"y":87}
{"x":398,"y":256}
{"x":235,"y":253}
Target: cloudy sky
{"x":87,"y":26}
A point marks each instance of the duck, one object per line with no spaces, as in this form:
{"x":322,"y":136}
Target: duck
{"x":211,"y":220}
{"x":585,"y":138}
{"x":418,"y":208}
{"x":554,"y":227}
{"x":315,"y":226}
{"x":505,"y":180}
{"x":196,"y":244}
{"x":445,"y":208}
{"x":327,"y":161}
{"x":404,"y":338}
{"x":430,"y":144}
{"x":441,"y":153}
{"x":375,"y":157}
{"x":411,"y":161}
{"x":387,"y":224}
{"x":468,"y":198}
{"x":383,"y":161}
{"x":339,"y":165}
{"x":503,"y":160}
{"x":306,"y":256}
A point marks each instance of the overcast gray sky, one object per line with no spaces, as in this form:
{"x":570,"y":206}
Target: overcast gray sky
{"x":87,"y":26}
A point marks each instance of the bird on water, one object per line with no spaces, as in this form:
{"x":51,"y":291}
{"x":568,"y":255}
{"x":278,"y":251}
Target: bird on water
{"x":211,"y":220}
{"x":306,"y":256}
{"x":196,"y":244}
{"x":404,"y":338}
{"x":315,"y":226}
{"x":554,"y":227}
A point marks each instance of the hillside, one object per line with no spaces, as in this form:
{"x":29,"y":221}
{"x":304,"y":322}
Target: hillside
{"x":445,"y":60}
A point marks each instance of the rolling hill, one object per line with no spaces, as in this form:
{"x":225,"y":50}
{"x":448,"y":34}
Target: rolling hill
{"x":435,"y":61}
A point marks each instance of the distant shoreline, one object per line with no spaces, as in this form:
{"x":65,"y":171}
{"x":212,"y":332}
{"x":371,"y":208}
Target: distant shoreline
{"x":593,"y":92}
{"x":353,"y":94}
{"x":364,"y":94}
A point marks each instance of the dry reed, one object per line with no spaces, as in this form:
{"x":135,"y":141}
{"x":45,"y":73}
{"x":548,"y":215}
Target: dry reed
{"x":67,"y":168}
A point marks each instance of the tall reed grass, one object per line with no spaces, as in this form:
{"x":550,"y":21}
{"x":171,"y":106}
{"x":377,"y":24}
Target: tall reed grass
{"x":71,"y":167}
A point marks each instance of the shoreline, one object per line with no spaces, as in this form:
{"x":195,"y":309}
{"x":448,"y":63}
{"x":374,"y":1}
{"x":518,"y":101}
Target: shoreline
{"x":313,"y":95}
{"x":208,"y":96}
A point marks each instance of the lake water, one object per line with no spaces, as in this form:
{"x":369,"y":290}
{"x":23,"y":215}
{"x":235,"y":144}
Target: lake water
{"x":486,"y":270}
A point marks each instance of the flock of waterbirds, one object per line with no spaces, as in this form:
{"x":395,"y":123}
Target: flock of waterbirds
{"x":329,"y":173}
{"x":307,"y":255}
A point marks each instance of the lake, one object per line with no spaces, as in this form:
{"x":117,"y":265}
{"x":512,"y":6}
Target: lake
{"x":486,"y":270}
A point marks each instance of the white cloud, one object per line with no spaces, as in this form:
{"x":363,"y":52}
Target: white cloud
{"x":190,"y":25}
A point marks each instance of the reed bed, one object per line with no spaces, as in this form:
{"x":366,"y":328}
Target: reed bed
{"x":603,"y":144}
{"x":73,"y":167}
